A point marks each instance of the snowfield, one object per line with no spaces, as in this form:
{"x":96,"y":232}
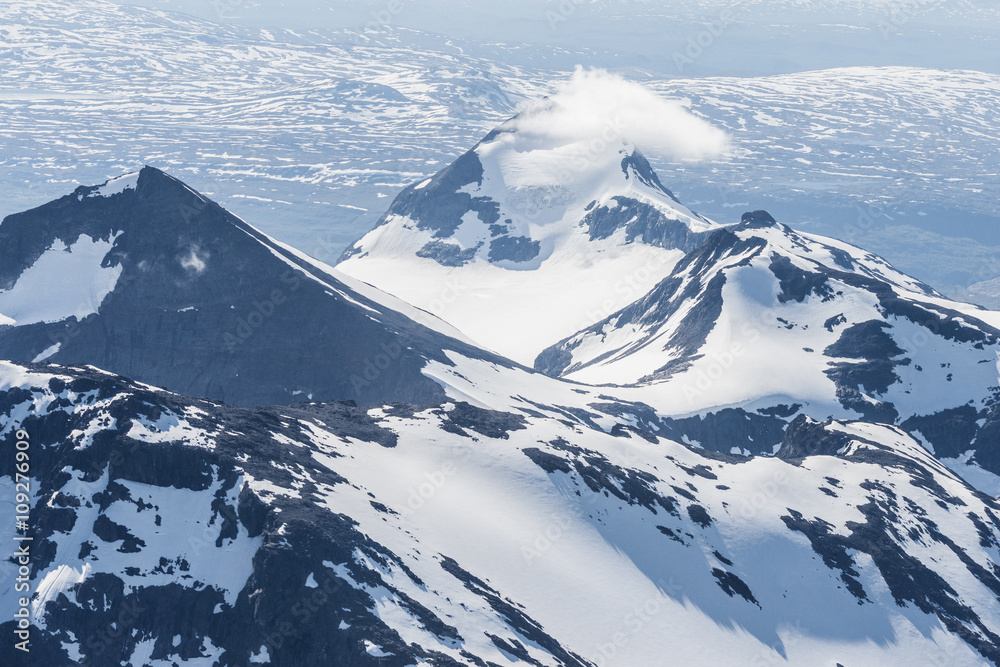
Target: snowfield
{"x":503,"y":537}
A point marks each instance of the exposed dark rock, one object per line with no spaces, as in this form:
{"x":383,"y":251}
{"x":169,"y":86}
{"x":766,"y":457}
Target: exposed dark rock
{"x":865,"y":340}
{"x":758,"y":220}
{"x":641,"y":222}
{"x":526,"y":627}
{"x":951,"y":432}
{"x":204,"y":307}
{"x":699,"y":515}
{"x":439,"y":205}
{"x":513,"y":249}
{"x":447,"y":254}
{"x":805,"y":437}
{"x":490,"y":423}
{"x":797,"y":284}
{"x":733,"y":585}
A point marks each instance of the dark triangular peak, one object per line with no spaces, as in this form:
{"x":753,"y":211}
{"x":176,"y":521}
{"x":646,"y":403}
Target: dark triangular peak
{"x":145,"y":277}
{"x":758,"y":220}
{"x":636,"y":163}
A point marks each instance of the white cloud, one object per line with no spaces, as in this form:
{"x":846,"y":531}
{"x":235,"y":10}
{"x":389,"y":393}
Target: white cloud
{"x":595,"y":105}
{"x":195,"y":261}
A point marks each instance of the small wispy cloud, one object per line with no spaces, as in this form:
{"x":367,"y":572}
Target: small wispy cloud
{"x":195,"y":260}
{"x":594,"y":104}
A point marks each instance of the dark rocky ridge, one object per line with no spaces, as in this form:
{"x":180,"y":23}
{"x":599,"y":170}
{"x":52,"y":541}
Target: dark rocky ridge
{"x":693,"y":279}
{"x":246,"y":323}
{"x":672,"y":505}
{"x":865,"y":360}
{"x":299,"y":624}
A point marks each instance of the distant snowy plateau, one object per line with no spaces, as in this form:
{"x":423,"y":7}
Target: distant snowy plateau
{"x":454,"y":388}
{"x":310,"y":132}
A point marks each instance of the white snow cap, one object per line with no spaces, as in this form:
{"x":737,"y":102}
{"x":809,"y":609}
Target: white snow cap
{"x":595,"y":105}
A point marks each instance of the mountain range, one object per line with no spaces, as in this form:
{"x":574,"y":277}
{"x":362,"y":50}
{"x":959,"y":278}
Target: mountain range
{"x":543,"y":413}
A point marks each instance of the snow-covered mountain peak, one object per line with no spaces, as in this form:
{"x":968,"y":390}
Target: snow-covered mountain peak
{"x":551,"y":222}
{"x":769,"y":320}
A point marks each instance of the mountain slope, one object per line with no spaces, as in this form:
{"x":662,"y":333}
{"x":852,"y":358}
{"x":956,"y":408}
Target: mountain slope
{"x":455,"y":535}
{"x":778,"y":322}
{"x":529,"y":236}
{"x":145,"y":277}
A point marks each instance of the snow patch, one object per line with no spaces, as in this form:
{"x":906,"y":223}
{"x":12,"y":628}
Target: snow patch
{"x":374,"y":650}
{"x":46,"y":353}
{"x":57,"y":581}
{"x":66,"y":281}
{"x":261,"y":657}
{"x":117,"y":185}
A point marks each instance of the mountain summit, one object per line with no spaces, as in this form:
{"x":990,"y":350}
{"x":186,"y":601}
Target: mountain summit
{"x":145,"y":277}
{"x":528,"y":237}
{"x":778,"y":323}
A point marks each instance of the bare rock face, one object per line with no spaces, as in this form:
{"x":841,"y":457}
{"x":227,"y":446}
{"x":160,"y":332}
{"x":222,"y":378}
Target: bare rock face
{"x":190,"y":298}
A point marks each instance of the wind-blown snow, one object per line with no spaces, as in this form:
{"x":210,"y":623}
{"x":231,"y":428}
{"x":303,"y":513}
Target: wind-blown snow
{"x":595,"y":106}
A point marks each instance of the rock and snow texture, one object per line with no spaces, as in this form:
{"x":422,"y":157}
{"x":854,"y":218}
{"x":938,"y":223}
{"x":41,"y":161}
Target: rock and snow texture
{"x":551,"y":222}
{"x":144,"y":276}
{"x":454,"y":535}
{"x":780,"y":322}
{"x":510,"y":517}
